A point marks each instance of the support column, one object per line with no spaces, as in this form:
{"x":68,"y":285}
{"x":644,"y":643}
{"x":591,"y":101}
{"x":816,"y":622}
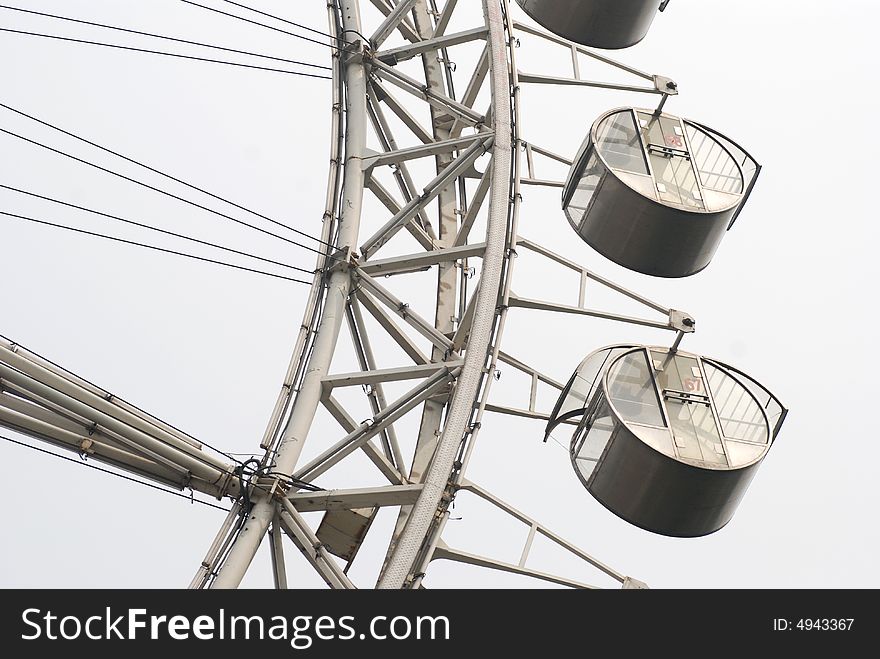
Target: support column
{"x":447,"y":277}
{"x":306,"y":404}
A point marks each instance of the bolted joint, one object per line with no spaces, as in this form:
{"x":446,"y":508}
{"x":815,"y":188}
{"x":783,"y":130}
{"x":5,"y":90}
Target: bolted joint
{"x":682,"y":321}
{"x":356,"y":52}
{"x":666,"y":85}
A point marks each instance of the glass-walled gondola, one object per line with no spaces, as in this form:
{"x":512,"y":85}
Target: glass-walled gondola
{"x":656,"y":193}
{"x":667,"y":440}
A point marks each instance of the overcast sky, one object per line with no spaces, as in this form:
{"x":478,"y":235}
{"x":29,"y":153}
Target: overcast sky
{"x":789,"y":299}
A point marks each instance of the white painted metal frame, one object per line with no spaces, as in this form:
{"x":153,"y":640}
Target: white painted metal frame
{"x":452,"y":356}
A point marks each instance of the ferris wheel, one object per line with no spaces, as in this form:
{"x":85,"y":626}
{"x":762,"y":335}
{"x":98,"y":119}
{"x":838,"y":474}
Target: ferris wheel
{"x":402,"y":336}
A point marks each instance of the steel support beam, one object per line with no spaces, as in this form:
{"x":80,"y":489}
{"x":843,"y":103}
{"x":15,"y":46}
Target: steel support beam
{"x":524,"y":27}
{"x":105,"y":404}
{"x":276,"y":550}
{"x":443,"y":19}
{"x":443,"y":552}
{"x":525,"y":368}
{"x":535,"y":79}
{"x":421,"y":261}
{"x":542,"y":183}
{"x":360,"y":378}
{"x":44,"y":363}
{"x":576,"y":267}
{"x":467,"y":222}
{"x":39,"y":408}
{"x":459,"y":167}
{"x":377,"y":457}
{"x":221,"y":541}
{"x":402,"y":309}
{"x":430,"y":149}
{"x":33,"y":410}
{"x":478,"y":77}
{"x":391,"y":327}
{"x":546,"y":153}
{"x":368,"y":497}
{"x":97,"y":449}
{"x":395,"y":55}
{"x":200,"y":466}
{"x":524,"y":414}
{"x":391,"y":22}
{"x":399,"y":567}
{"x":307,"y":542}
{"x":296,"y":430}
{"x":459,"y":339}
{"x":441,"y":101}
{"x":405,"y":26}
{"x":422,"y":230}
{"x":406,"y":118}
{"x":389,"y":471}
{"x":415,"y":228}
{"x":452,"y":201}
{"x":538,"y":305}
{"x":484,"y":494}
{"x":366,"y":431}
{"x":376,"y":394}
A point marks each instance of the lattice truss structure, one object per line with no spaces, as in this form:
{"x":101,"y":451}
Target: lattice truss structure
{"x":422,"y":208}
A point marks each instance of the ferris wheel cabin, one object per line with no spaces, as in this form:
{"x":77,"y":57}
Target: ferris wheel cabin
{"x":608,"y":24}
{"x":655,"y":193}
{"x":667,"y":440}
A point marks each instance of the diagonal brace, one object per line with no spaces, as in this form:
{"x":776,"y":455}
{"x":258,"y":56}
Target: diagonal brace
{"x":391,"y":22}
{"x":366,"y":431}
{"x":457,"y":168}
{"x":402,"y":309}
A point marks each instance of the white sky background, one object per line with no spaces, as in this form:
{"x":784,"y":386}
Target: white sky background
{"x":789,"y":298}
